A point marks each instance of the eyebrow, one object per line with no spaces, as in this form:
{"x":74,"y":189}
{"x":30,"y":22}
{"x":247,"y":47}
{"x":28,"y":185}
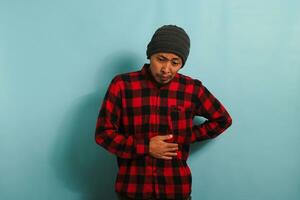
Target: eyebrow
{"x":177,"y":58}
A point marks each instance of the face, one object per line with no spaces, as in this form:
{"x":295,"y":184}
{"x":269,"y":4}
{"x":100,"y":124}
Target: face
{"x":164,"y":66}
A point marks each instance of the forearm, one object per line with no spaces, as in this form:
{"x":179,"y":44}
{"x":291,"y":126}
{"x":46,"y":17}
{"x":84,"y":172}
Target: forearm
{"x":121,"y":146}
{"x":211,"y":128}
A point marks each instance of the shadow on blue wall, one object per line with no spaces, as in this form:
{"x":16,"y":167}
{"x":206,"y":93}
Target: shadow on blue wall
{"x":82,"y":165}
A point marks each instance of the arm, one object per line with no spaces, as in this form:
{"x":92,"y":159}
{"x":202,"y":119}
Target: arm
{"x":107,"y":132}
{"x":208,"y":106}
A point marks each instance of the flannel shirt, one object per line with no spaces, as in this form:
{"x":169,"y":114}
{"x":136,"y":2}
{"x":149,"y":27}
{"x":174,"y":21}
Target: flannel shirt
{"x":136,"y":108}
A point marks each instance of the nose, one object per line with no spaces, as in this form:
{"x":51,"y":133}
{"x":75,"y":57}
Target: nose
{"x":166,"y":68}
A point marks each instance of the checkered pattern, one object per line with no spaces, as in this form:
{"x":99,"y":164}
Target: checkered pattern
{"x":135,"y":109}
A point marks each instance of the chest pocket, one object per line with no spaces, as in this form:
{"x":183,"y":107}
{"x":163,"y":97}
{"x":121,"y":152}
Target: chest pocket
{"x":180,"y":121}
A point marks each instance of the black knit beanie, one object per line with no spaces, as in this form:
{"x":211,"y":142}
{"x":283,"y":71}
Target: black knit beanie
{"x":170,"y":39}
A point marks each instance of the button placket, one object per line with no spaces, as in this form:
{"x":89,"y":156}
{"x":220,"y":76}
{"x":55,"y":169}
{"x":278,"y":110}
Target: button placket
{"x":157,"y":98}
{"x":154,"y":167}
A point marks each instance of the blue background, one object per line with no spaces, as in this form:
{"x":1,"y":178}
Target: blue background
{"x":58,"y":57}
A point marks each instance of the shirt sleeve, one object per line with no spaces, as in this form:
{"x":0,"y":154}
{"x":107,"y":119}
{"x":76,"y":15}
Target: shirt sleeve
{"x":208,"y":106}
{"x":108,"y":134}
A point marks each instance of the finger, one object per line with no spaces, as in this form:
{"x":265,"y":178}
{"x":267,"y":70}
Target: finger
{"x":166,"y":157}
{"x":171,"y":149}
{"x":170,"y":154}
{"x":165,"y":137}
{"x":171,"y":145}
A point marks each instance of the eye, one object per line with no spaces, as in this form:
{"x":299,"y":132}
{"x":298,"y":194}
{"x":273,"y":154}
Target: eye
{"x":175,"y":63}
{"x":161,"y":59}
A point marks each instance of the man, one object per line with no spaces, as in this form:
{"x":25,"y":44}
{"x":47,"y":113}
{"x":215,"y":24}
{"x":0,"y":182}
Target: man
{"x":146,"y":120}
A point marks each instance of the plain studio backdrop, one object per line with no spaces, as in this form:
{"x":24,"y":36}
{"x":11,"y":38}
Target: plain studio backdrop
{"x":58,"y":57}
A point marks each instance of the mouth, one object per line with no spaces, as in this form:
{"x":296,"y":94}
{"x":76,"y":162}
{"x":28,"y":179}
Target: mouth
{"x":164,"y":78}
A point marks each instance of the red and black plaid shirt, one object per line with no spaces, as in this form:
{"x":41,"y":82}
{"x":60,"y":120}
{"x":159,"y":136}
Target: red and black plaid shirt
{"x":135,"y":108}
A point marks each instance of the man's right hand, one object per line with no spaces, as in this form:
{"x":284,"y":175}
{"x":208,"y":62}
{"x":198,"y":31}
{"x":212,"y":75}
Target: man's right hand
{"x":161,"y":149}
